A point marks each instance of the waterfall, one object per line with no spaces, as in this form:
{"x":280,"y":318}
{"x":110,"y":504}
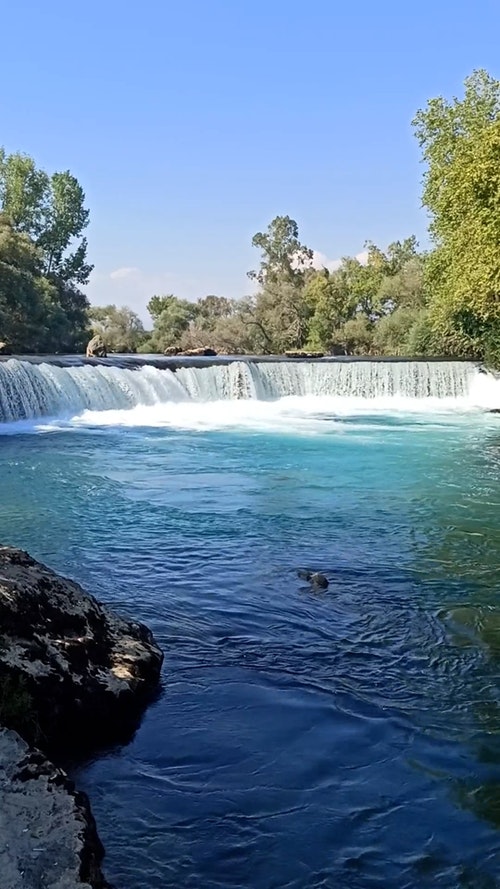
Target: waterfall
{"x":30,"y":390}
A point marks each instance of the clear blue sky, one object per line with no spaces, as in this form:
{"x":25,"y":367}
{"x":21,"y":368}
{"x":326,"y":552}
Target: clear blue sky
{"x":192,"y":124}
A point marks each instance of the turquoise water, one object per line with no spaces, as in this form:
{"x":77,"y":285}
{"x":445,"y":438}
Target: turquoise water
{"x":346,"y":738}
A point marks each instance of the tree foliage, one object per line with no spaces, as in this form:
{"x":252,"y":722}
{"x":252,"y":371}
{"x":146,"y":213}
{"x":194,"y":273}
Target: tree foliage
{"x":120,"y":328}
{"x":298,"y":307}
{"x":44,"y":257}
{"x":460,"y":141}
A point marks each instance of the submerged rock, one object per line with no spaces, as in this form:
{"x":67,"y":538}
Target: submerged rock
{"x":73,"y":675}
{"x":48,"y":834}
{"x":96,"y":348}
{"x":315,"y":578}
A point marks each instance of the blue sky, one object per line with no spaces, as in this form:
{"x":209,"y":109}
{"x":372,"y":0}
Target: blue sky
{"x":191,"y":125}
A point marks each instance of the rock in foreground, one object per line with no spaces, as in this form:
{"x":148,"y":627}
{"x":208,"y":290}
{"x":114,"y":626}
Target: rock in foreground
{"x":73,"y":675}
{"x":48,"y":835}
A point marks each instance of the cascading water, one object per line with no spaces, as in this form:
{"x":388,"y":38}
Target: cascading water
{"x":29,"y":390}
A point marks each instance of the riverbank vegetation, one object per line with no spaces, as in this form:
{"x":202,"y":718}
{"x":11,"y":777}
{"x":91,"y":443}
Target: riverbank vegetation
{"x":398,"y":300}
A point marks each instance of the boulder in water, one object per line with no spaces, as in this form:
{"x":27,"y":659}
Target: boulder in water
{"x":315,"y":578}
{"x":96,"y":347}
{"x":171,"y":350}
{"x":73,"y":675}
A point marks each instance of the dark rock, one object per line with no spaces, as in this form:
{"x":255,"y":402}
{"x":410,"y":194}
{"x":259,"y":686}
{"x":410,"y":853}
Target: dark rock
{"x":315,"y":578}
{"x":74,"y":675}
{"x":494,"y":410}
{"x":300,"y":354}
{"x":5,"y":349}
{"x":48,"y":834}
{"x":171,"y":350}
{"x":96,"y":348}
{"x":208,"y":353}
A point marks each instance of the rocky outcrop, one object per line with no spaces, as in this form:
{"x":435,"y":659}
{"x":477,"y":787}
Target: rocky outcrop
{"x":96,"y":348}
{"x":73,"y":675}
{"x":5,"y":349}
{"x":48,"y":836}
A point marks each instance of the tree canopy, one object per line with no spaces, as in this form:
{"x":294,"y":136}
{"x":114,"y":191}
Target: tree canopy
{"x":44,"y":257}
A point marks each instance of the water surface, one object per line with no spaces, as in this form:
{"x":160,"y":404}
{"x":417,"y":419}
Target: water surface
{"x":347,"y":738}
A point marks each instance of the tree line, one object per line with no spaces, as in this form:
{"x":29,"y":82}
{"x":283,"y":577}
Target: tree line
{"x":444,"y":301}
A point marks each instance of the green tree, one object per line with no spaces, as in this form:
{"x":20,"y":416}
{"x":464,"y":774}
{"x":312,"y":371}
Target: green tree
{"x":210,"y":309}
{"x":65,"y":220}
{"x":51,"y":211}
{"x":460,"y":141}
{"x":392,"y":332}
{"x":21,"y":300}
{"x":172,"y":317}
{"x":120,"y":328}
{"x":405,"y":288}
{"x":23,"y":192}
{"x":284,"y":258}
{"x":331,"y":305}
{"x":356,"y":336}
{"x":280,"y":314}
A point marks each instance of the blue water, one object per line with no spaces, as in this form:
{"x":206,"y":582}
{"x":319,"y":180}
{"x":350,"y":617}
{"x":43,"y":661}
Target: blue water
{"x":346,"y":738}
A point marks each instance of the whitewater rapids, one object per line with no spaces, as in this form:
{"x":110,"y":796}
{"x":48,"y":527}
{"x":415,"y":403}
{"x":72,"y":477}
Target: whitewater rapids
{"x":252,"y":394}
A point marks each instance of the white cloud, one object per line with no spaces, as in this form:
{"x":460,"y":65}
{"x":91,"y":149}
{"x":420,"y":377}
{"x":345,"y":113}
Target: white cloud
{"x":125,"y":272}
{"x":320,"y":260}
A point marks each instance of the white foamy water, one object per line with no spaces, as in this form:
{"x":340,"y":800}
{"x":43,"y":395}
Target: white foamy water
{"x":254,"y":395}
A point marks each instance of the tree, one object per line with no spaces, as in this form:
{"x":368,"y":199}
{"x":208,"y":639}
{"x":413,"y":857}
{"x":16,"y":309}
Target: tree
{"x":284,"y":257}
{"x":391,"y":334}
{"x":171,"y":318}
{"x":23,"y":192}
{"x":460,"y":141}
{"x":65,"y":220}
{"x":210,"y":309}
{"x":51,"y":211}
{"x":21,"y":301}
{"x":120,"y":328}
{"x":280,"y":313}
{"x":356,"y":336}
{"x":331,"y":305}
{"x":405,"y":288}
